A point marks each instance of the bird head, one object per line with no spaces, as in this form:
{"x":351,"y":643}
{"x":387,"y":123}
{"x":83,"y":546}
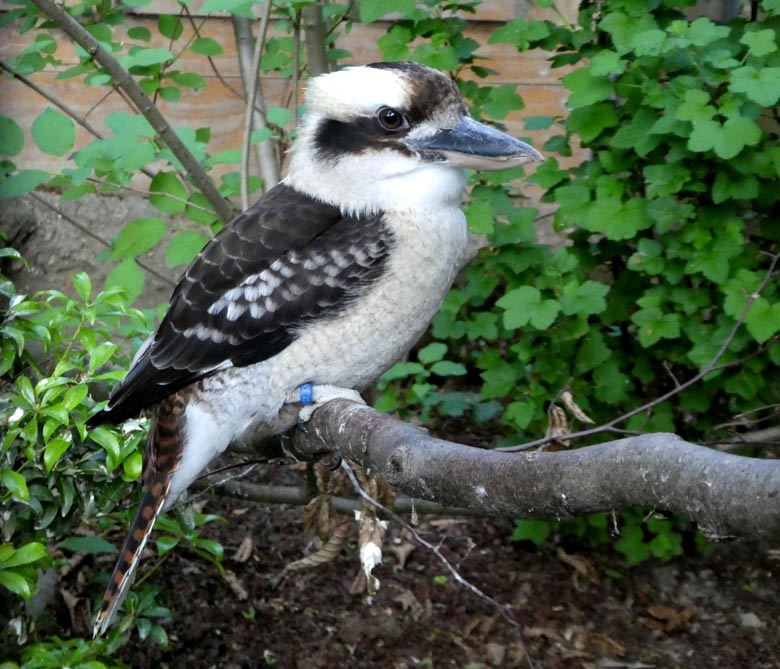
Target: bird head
{"x":393,"y":136}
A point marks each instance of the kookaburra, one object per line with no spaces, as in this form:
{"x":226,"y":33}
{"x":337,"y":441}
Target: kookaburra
{"x":329,"y":279}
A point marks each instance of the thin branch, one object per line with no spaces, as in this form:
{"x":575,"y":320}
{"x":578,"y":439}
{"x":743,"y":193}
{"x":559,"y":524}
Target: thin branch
{"x":123,"y":79}
{"x":266,"y":154}
{"x":503,"y":609}
{"x":86,"y":231}
{"x":727,"y":495}
{"x":314,"y":39}
{"x":710,"y":367}
{"x":55,"y":101}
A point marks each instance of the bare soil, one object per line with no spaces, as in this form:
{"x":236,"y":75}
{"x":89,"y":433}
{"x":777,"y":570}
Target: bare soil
{"x":578,"y":608}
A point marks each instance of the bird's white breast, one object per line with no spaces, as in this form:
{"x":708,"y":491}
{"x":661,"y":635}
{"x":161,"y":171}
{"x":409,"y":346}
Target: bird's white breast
{"x":355,"y":347}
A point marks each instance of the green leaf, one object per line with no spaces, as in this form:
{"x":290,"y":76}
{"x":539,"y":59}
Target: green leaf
{"x":11,"y":137}
{"x":166,"y":543}
{"x":92,"y":545}
{"x":448,"y":368}
{"x":143,"y":57}
{"x":589,"y":122}
{"x":170,"y":26}
{"x":21,"y":182}
{"x":636,"y":134}
{"x":138,"y":237}
{"x":16,"y":484}
{"x":280,"y":116}
{"x":616,"y":219}
{"x":140,"y":33}
{"x":53,"y":132}
{"x":763,"y":319}
{"x":133,"y":466}
{"x":188,"y":80}
{"x":16,"y":583}
{"x":54,"y":450}
{"x":373,"y":10}
{"x":26,"y":554}
{"x":761,"y":86}
{"x":184,"y":247}
{"x":168,"y":194}
{"x":532,"y":530}
{"x":520,"y":414}
{"x":585,"y":88}
{"x":760,"y":42}
{"x":655,"y":325}
{"x":206,"y":46}
{"x":432,"y":353}
{"x":586,"y":299}
{"x":524,"y":305}
{"x":128,"y":275}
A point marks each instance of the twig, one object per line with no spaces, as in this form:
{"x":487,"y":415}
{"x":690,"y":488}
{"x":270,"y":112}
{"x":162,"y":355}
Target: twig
{"x":265,"y":150}
{"x":503,"y":609}
{"x":55,"y":101}
{"x":141,"y":101}
{"x":711,"y":366}
{"x":148,"y":193}
{"x":85,"y":230}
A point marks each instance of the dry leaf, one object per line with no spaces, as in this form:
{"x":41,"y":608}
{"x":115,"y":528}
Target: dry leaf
{"x":568,"y":399}
{"x":558,"y":426}
{"x":495,"y":653}
{"x":671,"y":618}
{"x":409,"y":602}
{"x":582,"y":566}
{"x":402,"y":552}
{"x":329,"y":551}
{"x":236,"y":586}
{"x":244,"y":550}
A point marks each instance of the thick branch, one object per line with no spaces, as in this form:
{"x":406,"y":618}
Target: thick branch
{"x":122,"y":78}
{"x":729,"y":496}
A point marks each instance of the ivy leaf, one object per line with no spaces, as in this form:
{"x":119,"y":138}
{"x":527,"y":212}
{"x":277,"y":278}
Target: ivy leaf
{"x":586,"y":299}
{"x":589,"y":122}
{"x":636,"y":134}
{"x":655,"y":325}
{"x":373,"y":10}
{"x":763,"y":319}
{"x":703,"y":32}
{"x":524,"y":305}
{"x":617,"y":219}
{"x":726,"y":140}
{"x":761,"y":86}
{"x":585,"y":88}
{"x":760,"y":42}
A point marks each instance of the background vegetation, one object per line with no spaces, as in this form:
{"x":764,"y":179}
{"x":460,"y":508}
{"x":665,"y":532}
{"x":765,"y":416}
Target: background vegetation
{"x":668,"y":227}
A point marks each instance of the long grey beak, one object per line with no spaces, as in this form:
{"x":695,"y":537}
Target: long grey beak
{"x":476,"y":146}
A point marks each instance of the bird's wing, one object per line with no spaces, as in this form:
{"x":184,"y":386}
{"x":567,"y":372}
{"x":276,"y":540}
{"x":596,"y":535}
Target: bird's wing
{"x":285,"y":261}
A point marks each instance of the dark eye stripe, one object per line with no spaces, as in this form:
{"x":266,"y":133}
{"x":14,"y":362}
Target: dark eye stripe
{"x":336,"y":138}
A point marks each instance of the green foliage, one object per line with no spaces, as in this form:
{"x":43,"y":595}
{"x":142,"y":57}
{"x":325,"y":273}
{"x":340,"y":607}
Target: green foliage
{"x":56,"y":474}
{"x":638,"y":536}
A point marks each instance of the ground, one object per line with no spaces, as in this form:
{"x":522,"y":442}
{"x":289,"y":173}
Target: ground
{"x":578,"y":608}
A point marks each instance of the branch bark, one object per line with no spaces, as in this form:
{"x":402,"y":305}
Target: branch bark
{"x":124,"y":80}
{"x":728,"y":496}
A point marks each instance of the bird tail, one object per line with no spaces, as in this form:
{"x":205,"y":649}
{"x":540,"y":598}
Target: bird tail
{"x":163,"y":452}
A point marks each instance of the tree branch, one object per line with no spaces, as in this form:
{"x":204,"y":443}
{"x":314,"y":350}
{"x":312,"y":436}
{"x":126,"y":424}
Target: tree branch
{"x":123,"y":79}
{"x":727,"y":495}
{"x":249,"y":66}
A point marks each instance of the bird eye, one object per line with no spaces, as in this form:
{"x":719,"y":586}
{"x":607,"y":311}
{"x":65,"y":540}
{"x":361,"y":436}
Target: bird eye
{"x":391,"y":119}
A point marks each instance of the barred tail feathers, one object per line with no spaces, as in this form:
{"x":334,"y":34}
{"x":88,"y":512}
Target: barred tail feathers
{"x":164,"y":450}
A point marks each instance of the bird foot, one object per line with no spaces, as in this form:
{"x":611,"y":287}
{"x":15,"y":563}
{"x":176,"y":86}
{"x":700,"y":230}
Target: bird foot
{"x":314,"y":396}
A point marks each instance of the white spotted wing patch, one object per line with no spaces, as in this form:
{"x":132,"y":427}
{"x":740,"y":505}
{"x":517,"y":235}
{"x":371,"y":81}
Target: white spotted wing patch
{"x":285,"y":262}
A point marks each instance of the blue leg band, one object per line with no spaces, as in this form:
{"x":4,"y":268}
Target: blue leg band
{"x":305,"y":393}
